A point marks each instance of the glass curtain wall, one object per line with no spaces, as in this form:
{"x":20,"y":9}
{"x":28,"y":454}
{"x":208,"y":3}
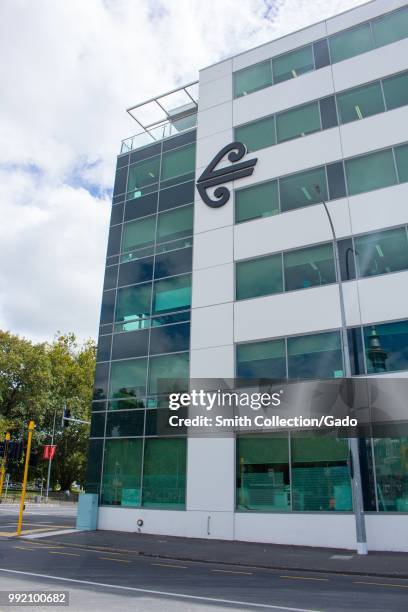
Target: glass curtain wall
{"x":144,"y":328}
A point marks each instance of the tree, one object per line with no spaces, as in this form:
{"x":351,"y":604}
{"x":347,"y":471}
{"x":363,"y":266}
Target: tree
{"x":72,"y":372}
{"x":36,"y":382}
{"x":24,"y":379}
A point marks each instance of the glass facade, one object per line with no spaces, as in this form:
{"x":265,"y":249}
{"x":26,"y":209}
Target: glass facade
{"x":352,"y":176}
{"x":349,"y":43}
{"x":144,"y":337}
{"x":350,"y":105}
{"x":145,"y":328}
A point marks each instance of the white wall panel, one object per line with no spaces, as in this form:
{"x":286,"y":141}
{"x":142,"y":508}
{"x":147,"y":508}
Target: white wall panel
{"x":214,"y":362}
{"x":387,"y":532}
{"x":213,"y":248}
{"x":215,"y":71}
{"x":371,"y":65}
{"x":213,"y":285}
{"x":209,"y":146}
{"x":384,"y":298}
{"x":295,"y":312}
{"x":207,"y":218}
{"x":214,"y":119}
{"x":335,"y":530}
{"x":215,"y":92}
{"x":380,"y":208}
{"x":297,"y":228}
{"x":376,"y":132}
{"x":211,"y":326}
{"x":283,"y":96}
{"x":210,"y":474}
{"x":295,"y":155}
{"x":168,"y":522}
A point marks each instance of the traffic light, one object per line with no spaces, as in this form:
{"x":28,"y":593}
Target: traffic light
{"x":66,"y":415}
{"x":15,"y":450}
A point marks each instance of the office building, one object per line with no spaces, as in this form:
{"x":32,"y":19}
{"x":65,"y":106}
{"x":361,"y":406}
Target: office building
{"x":241,"y":282}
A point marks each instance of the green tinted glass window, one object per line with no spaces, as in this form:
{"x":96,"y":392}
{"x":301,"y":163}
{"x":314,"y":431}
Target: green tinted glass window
{"x":258,"y":134}
{"x":252,"y":78}
{"x":369,"y":172}
{"x":350,"y":43}
{"x":138,"y":234}
{"x":315,"y":356}
{"x":299,"y":189}
{"x":298,"y":122}
{"x":133,"y":304}
{"x":360,"y":102}
{"x":172,"y":294}
{"x":94,"y":466}
{"x":256,"y":201}
{"x":262,"y":474}
{"x":386,"y":347}
{"x":178,"y":162}
{"x":401,"y":157}
{"x":143,"y":173}
{"x":175,"y":224}
{"x":265,"y":359}
{"x":168,"y":372}
{"x":261,"y":276}
{"x":293,"y":64}
{"x":309,"y":267}
{"x":389,"y":28}
{"x":122,"y":472}
{"x":320,"y":474}
{"x":391,"y":473}
{"x":128,"y":378}
{"x":382,"y":252}
{"x":164,"y":473}
{"x":396,"y":90}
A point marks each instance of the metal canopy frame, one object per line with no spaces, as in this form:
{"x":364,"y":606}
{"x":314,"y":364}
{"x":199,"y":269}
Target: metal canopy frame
{"x":169,"y":114}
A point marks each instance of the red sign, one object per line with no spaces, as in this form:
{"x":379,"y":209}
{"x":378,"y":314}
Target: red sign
{"x":49,"y":451}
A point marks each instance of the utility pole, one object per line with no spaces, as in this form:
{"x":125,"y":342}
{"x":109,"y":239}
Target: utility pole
{"x":50,"y":459}
{"x":4,"y":463}
{"x":31,"y":427}
{"x":357,"y":488}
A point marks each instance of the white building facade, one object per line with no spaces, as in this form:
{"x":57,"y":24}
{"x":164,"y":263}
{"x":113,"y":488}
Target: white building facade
{"x":326,"y":106}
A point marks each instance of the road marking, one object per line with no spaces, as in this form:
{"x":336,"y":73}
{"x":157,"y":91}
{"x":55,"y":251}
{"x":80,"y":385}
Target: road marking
{"x":152,"y":592}
{"x":170,"y":565}
{"x":35,"y":536}
{"x":232,"y":572}
{"x":388,"y":584}
{"x":118,"y":560}
{"x":59,"y":552}
{"x":24,"y":548}
{"x":304,"y":578}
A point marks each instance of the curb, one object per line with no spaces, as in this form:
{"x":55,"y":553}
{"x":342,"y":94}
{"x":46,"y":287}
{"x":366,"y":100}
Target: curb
{"x":141,"y":553}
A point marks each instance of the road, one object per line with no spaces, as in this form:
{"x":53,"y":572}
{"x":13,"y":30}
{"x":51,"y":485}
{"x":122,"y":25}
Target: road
{"x":126,"y":581}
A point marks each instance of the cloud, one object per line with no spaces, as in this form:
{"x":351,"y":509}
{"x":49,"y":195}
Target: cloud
{"x":69,"y":70}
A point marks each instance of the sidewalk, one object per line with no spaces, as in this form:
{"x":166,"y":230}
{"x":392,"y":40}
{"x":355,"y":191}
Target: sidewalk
{"x":249,"y":554}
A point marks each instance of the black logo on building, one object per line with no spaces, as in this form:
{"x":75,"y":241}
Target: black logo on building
{"x":211,"y":177}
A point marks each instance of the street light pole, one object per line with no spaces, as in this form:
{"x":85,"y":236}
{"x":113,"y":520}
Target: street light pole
{"x":357,"y":488}
{"x":50,"y":459}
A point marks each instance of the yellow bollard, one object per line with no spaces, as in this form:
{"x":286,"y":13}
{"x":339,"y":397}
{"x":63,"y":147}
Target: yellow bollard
{"x":4,"y":464}
{"x":27,"y":461}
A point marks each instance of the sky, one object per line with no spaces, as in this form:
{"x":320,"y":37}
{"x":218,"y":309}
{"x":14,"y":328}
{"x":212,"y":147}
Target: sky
{"x":69,"y":70}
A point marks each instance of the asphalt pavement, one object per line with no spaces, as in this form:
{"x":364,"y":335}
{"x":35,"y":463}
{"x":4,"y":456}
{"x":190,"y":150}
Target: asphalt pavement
{"x":98,"y":577}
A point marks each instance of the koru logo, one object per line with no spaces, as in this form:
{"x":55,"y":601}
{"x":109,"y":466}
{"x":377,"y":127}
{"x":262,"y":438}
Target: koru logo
{"x":211,"y":177}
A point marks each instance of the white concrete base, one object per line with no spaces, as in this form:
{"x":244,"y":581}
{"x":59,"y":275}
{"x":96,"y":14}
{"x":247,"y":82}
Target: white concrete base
{"x":193,"y":524}
{"x":387,"y":532}
{"x":326,"y":530}
{"x":384,"y":532}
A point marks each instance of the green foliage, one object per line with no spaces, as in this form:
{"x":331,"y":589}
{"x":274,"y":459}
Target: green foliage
{"x":36,"y":382}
